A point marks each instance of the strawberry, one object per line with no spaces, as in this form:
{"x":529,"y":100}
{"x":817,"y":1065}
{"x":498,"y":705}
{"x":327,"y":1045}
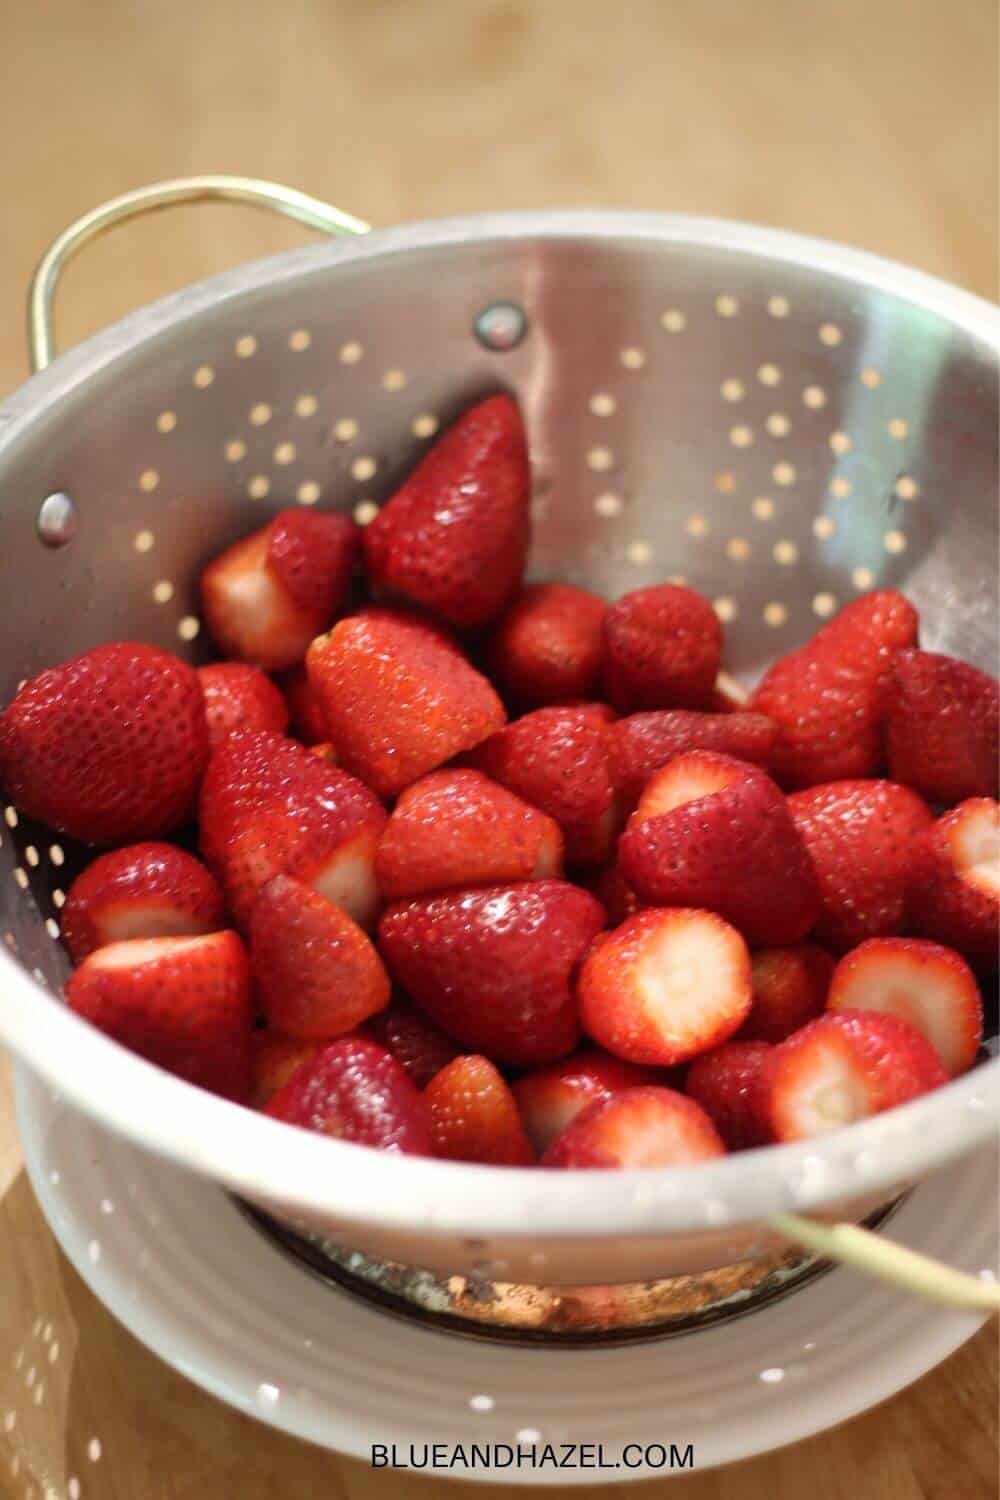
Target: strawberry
{"x":829,"y":697}
{"x":180,"y":1002}
{"x":269,"y":807}
{"x":494,"y":966}
{"x":615,"y":894}
{"x":324,"y":752}
{"x":643,"y":1127}
{"x":953,"y":882}
{"x":859,"y":835}
{"x":558,"y":760}
{"x":267,"y":595}
{"x":943,"y":727}
{"x":842,"y":1068}
{"x":304,"y":708}
{"x":790,"y":987}
{"x":548,"y":648}
{"x":108,"y":747}
{"x":664,"y":986}
{"x":714,"y":832}
{"x":458,"y":828}
{"x":925,"y":984}
{"x":661,"y":649}
{"x":399,"y":697}
{"x":643,"y":743}
{"x":419,"y":1046}
{"x":316,"y":973}
{"x":238,"y":696}
{"x":726,"y":1083}
{"x":354,"y":1091}
{"x":549,"y":1098}
{"x":454,"y":538}
{"x":143,"y":891}
{"x":273,"y":1060}
{"x":474,"y":1116}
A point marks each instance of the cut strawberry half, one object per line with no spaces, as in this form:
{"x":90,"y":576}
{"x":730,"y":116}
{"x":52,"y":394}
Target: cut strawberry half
{"x":550,"y":1098}
{"x":790,"y":986}
{"x":661,"y":649}
{"x":726,"y":1083}
{"x":474,"y":1116}
{"x":643,"y":1127}
{"x":953,"y":882}
{"x":943,"y":727}
{"x":143,"y":891}
{"x":643,"y":743}
{"x":354,"y":1091}
{"x":548,"y":646}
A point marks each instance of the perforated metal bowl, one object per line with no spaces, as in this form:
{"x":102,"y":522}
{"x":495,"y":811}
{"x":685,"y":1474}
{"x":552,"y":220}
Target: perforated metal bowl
{"x":782,"y":422}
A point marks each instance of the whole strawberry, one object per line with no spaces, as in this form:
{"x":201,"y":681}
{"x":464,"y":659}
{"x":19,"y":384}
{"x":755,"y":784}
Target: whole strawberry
{"x":548,"y":648}
{"x":109,"y":747}
{"x":145,"y":890}
{"x":419,"y":1045}
{"x":790,"y":986}
{"x":238,"y":696}
{"x":354,"y":1091}
{"x":661,"y":649}
{"x":726,"y":1083}
{"x":943,"y":728}
{"x":474,"y":1116}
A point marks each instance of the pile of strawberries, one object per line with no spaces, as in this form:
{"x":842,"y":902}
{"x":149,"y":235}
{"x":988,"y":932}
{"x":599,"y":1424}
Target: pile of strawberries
{"x":521,"y":883}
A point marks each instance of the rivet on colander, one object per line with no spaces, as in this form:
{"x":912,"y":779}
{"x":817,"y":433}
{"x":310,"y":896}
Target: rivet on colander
{"x":501,"y":326}
{"x":57,"y":518}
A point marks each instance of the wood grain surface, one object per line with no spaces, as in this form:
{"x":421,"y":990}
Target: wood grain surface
{"x":869,"y":121}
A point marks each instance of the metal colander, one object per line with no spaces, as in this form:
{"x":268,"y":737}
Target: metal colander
{"x":779,"y":422}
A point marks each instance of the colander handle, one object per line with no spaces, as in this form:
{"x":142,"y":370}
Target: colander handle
{"x":272,"y":195}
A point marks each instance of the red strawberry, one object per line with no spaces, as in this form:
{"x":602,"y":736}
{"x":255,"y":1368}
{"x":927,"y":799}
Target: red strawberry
{"x":558,"y":760}
{"x":305,"y":710}
{"x":714,"y":832}
{"x":316,"y":973}
{"x":453,"y":539}
{"x":790,"y":987}
{"x":354,"y":1091}
{"x":458,"y":828}
{"x":183,"y":1003}
{"x":943,"y":727}
{"x":665,"y":986}
{"x":494,"y":966}
{"x":661,"y":649}
{"x":474,"y":1116}
{"x":859,"y":835}
{"x":549,"y":1098}
{"x":925,"y":984}
{"x":615,"y":895}
{"x":238,"y":696}
{"x":726,"y":1083}
{"x":643,"y":743}
{"x":419,"y":1046}
{"x":842,"y":1068}
{"x":548,"y":646}
{"x":267,"y":595}
{"x":269,"y":807}
{"x":144,"y":891}
{"x":953,"y":882}
{"x":273,"y":1060}
{"x":829,"y":697}
{"x":399,"y":697}
{"x":108,"y":747}
{"x":644,"y":1127}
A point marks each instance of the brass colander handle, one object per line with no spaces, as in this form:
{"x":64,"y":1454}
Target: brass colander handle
{"x":211,"y":188}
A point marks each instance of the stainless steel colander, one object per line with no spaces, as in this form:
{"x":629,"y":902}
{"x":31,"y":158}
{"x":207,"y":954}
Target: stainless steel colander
{"x":781,"y":422}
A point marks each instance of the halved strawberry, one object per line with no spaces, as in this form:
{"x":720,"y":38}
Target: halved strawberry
{"x":143,"y":891}
{"x":180,"y":1002}
{"x":726,"y":1083}
{"x":459,"y":828}
{"x":453,"y":539}
{"x":238,"y":696}
{"x":953,"y":882}
{"x":714,"y":832}
{"x":416,"y":1042}
{"x":269,"y":594}
{"x":354,"y":1091}
{"x":643,"y":743}
{"x":829,"y":697}
{"x":304,"y":708}
{"x":661,"y":649}
{"x":859,"y":835}
{"x":926,"y":984}
{"x":644,"y":1127}
{"x":494,"y":966}
{"x":474,"y":1116}
{"x":548,"y":647}
{"x":269,"y":807}
{"x":549,"y":1098}
{"x":315,"y":972}
{"x":665,"y":985}
{"x":273,"y":1060}
{"x":399,"y":697}
{"x":842,"y":1068}
{"x":790,"y":986}
{"x":108,"y":747}
{"x":943,"y":727}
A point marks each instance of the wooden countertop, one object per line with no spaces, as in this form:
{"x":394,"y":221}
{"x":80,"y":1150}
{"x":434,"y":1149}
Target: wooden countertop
{"x":875,"y":124}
